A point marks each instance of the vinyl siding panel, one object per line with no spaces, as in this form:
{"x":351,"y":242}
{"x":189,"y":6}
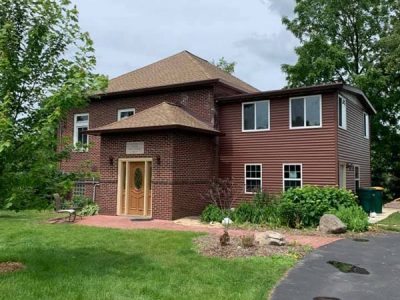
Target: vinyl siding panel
{"x":353,"y":147}
{"x":314,"y":148}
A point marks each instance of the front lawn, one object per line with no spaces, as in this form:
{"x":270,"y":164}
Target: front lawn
{"x":65,"y":261}
{"x":391,"y":223}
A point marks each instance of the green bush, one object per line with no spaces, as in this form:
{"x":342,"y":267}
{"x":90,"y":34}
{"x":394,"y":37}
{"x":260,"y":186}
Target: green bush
{"x":212,"y":213}
{"x":354,"y":217}
{"x":89,"y":210}
{"x":302,"y":207}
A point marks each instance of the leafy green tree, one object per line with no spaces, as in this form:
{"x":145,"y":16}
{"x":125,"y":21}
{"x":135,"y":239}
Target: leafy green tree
{"x":356,"y":42}
{"x":46,"y":68}
{"x":223,"y":64}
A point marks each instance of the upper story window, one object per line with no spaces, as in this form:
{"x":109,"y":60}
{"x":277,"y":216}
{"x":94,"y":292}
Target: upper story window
{"x":292,"y":176}
{"x":366,"y":125}
{"x":255,"y":116}
{"x":342,"y":112}
{"x":125,"y":113}
{"x":253,"y":178}
{"x":81,"y":124}
{"x":305,"y":112}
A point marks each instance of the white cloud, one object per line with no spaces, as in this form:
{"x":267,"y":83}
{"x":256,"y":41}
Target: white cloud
{"x":132,"y":33}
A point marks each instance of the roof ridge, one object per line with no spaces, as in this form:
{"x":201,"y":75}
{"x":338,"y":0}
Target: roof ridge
{"x":192,"y":58}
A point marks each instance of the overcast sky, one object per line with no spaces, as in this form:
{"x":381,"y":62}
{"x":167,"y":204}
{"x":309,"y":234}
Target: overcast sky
{"x":129,"y":34}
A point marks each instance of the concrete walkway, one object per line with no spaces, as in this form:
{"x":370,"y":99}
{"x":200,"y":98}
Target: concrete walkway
{"x":127,"y":223}
{"x":386,"y":212}
{"x":313,"y":277}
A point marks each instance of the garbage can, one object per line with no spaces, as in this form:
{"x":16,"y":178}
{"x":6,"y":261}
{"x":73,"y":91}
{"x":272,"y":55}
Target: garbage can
{"x":378,"y":198}
{"x":371,"y":199}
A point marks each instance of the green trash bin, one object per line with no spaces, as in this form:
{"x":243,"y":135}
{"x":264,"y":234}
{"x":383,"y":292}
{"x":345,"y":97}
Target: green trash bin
{"x":371,"y":199}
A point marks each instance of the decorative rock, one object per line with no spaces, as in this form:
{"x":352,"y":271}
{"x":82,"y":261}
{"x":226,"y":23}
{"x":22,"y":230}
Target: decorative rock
{"x":275,"y":242}
{"x":269,"y":238}
{"x":331,"y":224}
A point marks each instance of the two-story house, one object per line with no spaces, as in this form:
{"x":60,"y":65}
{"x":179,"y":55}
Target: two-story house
{"x":161,"y":133}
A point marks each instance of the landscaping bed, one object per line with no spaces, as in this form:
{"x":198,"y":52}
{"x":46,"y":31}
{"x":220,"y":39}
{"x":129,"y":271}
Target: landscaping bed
{"x":209,"y":245}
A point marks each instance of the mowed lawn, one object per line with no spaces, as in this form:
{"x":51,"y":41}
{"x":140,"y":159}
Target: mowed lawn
{"x":392,"y":222}
{"x":65,"y":261}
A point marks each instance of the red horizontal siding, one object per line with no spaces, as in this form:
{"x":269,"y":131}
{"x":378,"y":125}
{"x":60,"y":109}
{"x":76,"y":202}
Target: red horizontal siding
{"x":314,"y":148}
{"x":353,"y":147}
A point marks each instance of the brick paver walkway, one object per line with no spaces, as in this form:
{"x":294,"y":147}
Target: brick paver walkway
{"x":127,"y":223}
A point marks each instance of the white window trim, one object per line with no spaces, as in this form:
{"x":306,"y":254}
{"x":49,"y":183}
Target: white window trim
{"x":124,"y":110}
{"x":344,"y":118}
{"x":305,"y":113}
{"x":245,"y":177}
{"x":255,"y":114}
{"x":359,"y":176}
{"x":283,"y":174}
{"x":366,"y":133}
{"x":79,"y":125}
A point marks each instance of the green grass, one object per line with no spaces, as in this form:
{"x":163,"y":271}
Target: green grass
{"x":391,"y":223}
{"x":77,"y":262}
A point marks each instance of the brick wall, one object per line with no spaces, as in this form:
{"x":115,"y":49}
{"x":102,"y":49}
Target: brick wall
{"x":187,"y":164}
{"x":199,"y":102}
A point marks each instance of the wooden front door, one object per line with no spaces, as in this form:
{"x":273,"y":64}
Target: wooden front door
{"x":136,"y":188}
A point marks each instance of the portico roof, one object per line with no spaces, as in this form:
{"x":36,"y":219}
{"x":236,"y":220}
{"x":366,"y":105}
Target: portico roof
{"x":162,"y":116}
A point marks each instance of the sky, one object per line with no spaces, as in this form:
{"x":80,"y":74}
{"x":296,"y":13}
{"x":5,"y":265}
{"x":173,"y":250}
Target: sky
{"x":129,"y":34}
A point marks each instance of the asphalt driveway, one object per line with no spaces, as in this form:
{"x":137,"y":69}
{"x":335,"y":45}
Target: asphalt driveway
{"x":313,"y":277}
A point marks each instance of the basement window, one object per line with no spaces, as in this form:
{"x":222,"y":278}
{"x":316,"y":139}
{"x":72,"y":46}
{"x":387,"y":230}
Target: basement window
{"x":253,"y":178}
{"x":305,"y":112}
{"x":255,"y":116}
{"x":125,"y":113}
{"x":292,"y":176}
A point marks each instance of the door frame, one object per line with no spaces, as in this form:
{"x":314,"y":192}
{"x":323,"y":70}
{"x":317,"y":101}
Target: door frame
{"x":127,"y":177}
{"x":343,"y":176}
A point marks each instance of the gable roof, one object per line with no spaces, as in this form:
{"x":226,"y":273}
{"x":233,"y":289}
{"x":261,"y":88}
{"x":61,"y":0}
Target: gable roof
{"x":183,"y":67}
{"x":162,"y":116}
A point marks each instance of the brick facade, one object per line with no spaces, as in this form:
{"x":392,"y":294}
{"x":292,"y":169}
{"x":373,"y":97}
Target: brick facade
{"x":199,"y":102}
{"x":186,"y":165}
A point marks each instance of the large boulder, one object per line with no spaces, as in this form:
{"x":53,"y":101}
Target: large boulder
{"x":269,"y":238}
{"x":331,"y":224}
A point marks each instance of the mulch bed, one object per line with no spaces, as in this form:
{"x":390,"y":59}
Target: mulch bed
{"x":10,"y":266}
{"x":209,"y":245}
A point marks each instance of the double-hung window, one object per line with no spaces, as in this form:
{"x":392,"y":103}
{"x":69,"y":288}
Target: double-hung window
{"x":306,"y":112}
{"x":255,"y":116}
{"x":356,"y":178}
{"x":366,"y":125}
{"x":125,"y":113}
{"x":81,"y":124}
{"x":253,"y":178}
{"x":342,"y":112}
{"x":292,"y":176}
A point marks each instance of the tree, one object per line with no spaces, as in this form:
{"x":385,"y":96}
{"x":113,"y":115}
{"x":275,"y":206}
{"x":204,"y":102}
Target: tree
{"x":355,"y":42}
{"x":46,"y":68}
{"x":228,"y":67}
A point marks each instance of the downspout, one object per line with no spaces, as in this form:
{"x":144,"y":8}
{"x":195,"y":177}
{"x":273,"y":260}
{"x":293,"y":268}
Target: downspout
{"x":95,"y":185}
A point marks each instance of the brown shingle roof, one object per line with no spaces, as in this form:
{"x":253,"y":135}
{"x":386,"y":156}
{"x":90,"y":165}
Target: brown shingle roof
{"x":183,"y":67}
{"x":162,"y":116}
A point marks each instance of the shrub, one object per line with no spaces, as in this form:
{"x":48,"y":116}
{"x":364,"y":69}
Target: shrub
{"x":212,"y":213}
{"x":305,"y":206}
{"x":354,"y":217}
{"x":248,"y":241}
{"x":263,"y":199}
{"x":220,"y":193}
{"x":89,"y":210}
